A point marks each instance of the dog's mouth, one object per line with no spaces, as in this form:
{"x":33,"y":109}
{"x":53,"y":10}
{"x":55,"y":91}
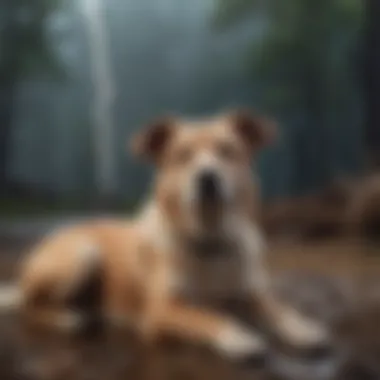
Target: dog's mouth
{"x":211,"y":191}
{"x":210,"y":198}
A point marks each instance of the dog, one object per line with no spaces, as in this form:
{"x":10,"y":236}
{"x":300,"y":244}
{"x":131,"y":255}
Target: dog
{"x":196,"y":239}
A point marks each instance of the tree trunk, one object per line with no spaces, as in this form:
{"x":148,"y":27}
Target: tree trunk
{"x":7,"y":92}
{"x":314,"y":152}
{"x":8,"y":79}
{"x":372,"y":84}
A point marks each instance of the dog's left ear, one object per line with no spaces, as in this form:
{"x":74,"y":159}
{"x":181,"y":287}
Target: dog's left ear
{"x":256,"y":131}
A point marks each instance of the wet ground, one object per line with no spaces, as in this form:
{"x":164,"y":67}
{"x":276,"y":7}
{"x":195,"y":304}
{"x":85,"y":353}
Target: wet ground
{"x":337,"y":281}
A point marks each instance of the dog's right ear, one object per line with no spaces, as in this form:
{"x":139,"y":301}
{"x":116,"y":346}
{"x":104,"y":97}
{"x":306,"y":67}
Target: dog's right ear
{"x":255,"y":130}
{"x":152,"y":142}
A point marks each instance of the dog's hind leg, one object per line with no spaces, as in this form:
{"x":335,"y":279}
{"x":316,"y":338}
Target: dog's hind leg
{"x":51,"y":284}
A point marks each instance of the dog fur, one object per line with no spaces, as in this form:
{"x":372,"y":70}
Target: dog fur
{"x":175,"y":251}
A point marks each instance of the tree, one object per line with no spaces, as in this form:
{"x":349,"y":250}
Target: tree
{"x":303,"y":67}
{"x":25,"y":51}
{"x":372,"y":82}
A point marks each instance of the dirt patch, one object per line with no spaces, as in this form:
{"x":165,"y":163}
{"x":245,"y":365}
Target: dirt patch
{"x":336,"y":281}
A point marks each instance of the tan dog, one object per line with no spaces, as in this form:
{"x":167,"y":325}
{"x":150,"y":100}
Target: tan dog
{"x":196,"y":239}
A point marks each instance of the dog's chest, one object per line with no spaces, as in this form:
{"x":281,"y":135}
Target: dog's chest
{"x":210,"y":270}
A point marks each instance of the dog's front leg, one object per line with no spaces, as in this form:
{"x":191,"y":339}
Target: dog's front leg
{"x":224,"y":334}
{"x":279,"y":319}
{"x":287,"y":325}
{"x":162,"y":315}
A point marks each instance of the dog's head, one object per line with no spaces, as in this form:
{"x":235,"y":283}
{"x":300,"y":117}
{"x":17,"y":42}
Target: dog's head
{"x":204,"y":165}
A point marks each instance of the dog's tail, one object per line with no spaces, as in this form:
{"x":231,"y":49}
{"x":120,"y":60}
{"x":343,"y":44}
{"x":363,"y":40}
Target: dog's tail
{"x":10,"y":297}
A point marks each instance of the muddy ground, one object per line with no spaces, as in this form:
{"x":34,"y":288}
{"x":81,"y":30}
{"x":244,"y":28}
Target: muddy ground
{"x":337,"y":281}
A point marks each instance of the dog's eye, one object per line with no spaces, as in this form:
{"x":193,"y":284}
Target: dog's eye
{"x":226,"y":151}
{"x":183,"y":155}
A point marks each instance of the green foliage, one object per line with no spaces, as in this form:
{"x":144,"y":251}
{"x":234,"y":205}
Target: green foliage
{"x":300,"y":41}
{"x":305,"y":65}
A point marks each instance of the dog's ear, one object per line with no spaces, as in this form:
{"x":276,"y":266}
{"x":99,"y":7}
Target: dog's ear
{"x":152,"y":141}
{"x":256,"y":131}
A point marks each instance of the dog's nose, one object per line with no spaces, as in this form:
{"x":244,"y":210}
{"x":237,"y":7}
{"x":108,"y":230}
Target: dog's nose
{"x":209,"y":186}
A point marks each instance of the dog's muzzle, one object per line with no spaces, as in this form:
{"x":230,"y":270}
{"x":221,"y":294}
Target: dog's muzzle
{"x":209,"y":187}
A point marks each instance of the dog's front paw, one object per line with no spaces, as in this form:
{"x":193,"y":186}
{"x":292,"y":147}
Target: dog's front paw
{"x":306,"y":336}
{"x":239,"y":343}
